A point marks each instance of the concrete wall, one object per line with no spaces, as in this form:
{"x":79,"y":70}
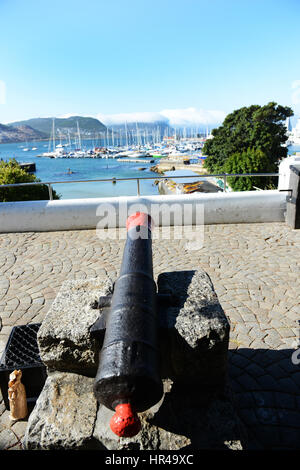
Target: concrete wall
{"x":284,"y":180}
{"x":75,"y":214}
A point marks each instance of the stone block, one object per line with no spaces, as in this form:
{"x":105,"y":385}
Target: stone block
{"x":64,"y":414}
{"x":194,"y":334}
{"x":64,"y":337}
{"x":181,"y":420}
{"x":66,"y":417}
{"x":196,"y":410}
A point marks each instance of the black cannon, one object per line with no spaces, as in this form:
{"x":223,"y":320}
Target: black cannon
{"x":128,"y":379}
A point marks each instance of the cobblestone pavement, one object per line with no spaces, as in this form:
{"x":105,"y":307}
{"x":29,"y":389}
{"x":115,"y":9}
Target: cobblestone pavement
{"x":255,"y":270}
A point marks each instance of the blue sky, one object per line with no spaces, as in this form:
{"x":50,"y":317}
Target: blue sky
{"x":103,"y":58}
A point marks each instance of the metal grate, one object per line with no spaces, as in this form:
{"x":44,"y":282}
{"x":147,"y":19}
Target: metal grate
{"x":22,"y":352}
{"x":22,"y":348}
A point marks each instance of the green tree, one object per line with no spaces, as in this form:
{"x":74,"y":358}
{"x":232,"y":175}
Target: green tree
{"x":12,"y":173}
{"x":249,"y":161}
{"x":253,"y":127}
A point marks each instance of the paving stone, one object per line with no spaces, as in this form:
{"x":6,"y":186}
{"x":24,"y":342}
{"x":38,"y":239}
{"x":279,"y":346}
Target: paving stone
{"x":245,"y":400}
{"x":248,"y":382}
{"x":287,"y":385}
{"x":7,"y":439}
{"x":269,"y":435}
{"x":285,"y":400}
{"x":248,"y":416}
{"x":290,"y":418}
{"x":255,"y":370}
{"x":267,"y":415}
{"x":255,"y":273}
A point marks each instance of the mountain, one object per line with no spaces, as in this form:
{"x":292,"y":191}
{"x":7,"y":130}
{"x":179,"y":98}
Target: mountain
{"x":22,"y":133}
{"x":88,"y":126}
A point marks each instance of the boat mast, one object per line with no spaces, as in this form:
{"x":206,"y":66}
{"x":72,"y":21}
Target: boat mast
{"x":53,"y":134}
{"x":126,"y":135}
{"x":79,"y":139}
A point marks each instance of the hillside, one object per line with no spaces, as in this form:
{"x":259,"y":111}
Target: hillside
{"x":22,"y":133}
{"x":88,"y":126}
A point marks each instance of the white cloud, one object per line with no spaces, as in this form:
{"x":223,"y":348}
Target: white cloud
{"x":66,"y":116}
{"x":174,"y":117}
{"x":193,"y":117}
{"x":110,"y":119}
{"x":187,"y":117}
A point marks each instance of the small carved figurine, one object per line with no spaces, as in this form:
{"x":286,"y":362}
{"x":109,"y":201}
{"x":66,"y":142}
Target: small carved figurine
{"x":17,"y":396}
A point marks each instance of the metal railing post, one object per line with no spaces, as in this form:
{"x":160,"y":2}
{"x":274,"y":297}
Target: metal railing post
{"x":138,"y":187}
{"x":224,"y":183}
{"x":50,"y":192}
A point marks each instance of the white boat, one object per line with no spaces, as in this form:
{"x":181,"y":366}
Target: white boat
{"x":138,"y":154}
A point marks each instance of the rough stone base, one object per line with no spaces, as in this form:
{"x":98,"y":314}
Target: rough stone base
{"x":64,"y":414}
{"x":66,"y":417}
{"x":194,"y":333}
{"x":196,"y":410}
{"x":64,"y":337}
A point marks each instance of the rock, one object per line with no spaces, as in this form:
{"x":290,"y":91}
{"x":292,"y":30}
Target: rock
{"x":196,"y":410}
{"x":156,"y":169}
{"x":194,"y":334}
{"x":64,"y":414}
{"x":66,"y":417}
{"x":183,"y":419}
{"x":64,"y":337}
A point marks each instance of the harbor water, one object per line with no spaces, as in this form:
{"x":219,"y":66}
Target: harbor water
{"x":72,"y":169}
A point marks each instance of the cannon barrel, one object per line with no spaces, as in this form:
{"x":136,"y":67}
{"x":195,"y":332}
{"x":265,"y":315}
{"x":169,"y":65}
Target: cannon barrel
{"x":128,"y":378}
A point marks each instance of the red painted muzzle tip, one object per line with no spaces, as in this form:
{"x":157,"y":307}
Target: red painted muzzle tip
{"x":125,"y":422}
{"x":139,"y":218}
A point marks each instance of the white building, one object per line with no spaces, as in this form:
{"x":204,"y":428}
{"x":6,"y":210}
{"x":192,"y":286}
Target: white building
{"x":294,"y":134}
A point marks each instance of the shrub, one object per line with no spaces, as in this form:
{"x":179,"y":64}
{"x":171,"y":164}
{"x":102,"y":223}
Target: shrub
{"x":250,"y":161}
{"x":12,"y":173}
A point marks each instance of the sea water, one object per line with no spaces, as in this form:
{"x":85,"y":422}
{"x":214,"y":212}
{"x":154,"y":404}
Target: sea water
{"x":71,"y":169}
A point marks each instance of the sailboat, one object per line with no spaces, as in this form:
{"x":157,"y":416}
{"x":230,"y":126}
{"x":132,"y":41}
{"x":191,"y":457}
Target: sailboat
{"x":78,"y":153}
{"x":26,"y":149}
{"x":56,"y":153}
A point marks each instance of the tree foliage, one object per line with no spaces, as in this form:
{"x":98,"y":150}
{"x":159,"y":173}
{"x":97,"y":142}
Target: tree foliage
{"x":255,"y":128}
{"x":12,"y":173}
{"x":249,"y":161}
